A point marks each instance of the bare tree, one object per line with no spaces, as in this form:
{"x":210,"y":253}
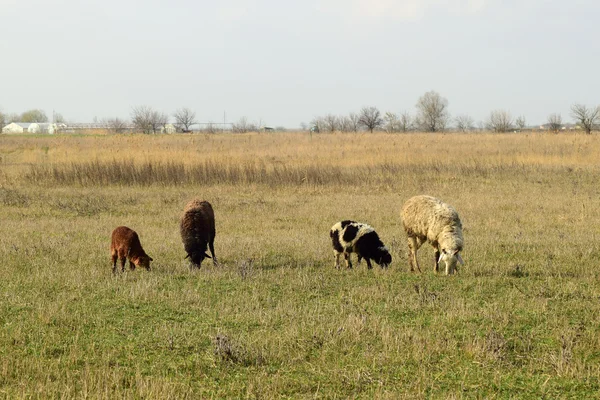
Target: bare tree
{"x":184,"y":119}
{"x":345,"y":124}
{"x":116,"y":125}
{"x":588,"y":118}
{"x":405,"y":122}
{"x":147,"y":120}
{"x":520,"y":122}
{"x":391,"y":122}
{"x":241,"y":126}
{"x":211,"y":127}
{"x":464,"y":123}
{"x":331,"y":123}
{"x":500,"y":121}
{"x":34,"y":116}
{"x":370,"y":118}
{"x":432,"y":112}
{"x":2,"y":120}
{"x":317,"y":124}
{"x":58,"y":118}
{"x":554,"y":122}
{"x":354,"y":122}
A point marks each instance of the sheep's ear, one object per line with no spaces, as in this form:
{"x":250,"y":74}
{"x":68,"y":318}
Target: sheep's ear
{"x":150,"y":258}
{"x":460,"y":260}
{"x":188,"y":256}
{"x":206,"y":255}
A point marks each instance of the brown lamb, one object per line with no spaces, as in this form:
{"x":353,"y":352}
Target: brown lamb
{"x":125,"y":244}
{"x":198,"y":231}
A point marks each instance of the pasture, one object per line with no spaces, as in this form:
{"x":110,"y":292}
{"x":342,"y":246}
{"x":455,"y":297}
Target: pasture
{"x":276,"y":319}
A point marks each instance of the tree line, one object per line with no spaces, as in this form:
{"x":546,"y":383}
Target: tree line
{"x":431,"y":115}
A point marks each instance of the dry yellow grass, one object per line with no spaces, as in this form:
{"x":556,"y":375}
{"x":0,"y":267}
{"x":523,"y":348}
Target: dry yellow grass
{"x":348,"y":150}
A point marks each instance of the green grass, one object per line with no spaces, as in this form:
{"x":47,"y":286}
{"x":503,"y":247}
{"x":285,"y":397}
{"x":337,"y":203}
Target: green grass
{"x":521,"y":319}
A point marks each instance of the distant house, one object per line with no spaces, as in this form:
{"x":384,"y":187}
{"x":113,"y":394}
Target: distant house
{"x":168,"y":128}
{"x":16,"y":127}
{"x":30,"y":127}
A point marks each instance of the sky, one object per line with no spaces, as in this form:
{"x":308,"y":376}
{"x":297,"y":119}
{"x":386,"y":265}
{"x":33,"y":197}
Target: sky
{"x":285,"y":62}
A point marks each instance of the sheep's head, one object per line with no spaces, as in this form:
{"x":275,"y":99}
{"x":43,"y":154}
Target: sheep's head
{"x":197,"y":258}
{"x":450,"y":258}
{"x":143,"y":261}
{"x":384,"y":258}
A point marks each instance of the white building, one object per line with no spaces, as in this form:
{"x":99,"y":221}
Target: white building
{"x":16,"y":127}
{"x":168,"y":128}
{"x":27,"y":127}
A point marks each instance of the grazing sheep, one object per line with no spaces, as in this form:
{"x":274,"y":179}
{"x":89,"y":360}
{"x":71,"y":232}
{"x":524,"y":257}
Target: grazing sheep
{"x":427,"y":219}
{"x":354,"y":237}
{"x":125,"y":244}
{"x":198,"y":230}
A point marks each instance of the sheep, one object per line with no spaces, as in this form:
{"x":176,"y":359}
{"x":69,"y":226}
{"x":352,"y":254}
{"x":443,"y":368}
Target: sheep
{"x":197,"y":231}
{"x":427,"y":219}
{"x":125,"y":244}
{"x":355,"y":237}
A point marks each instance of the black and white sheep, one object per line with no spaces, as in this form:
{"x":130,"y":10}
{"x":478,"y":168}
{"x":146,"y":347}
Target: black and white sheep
{"x":427,"y":219}
{"x":198,"y":231}
{"x":355,"y":237}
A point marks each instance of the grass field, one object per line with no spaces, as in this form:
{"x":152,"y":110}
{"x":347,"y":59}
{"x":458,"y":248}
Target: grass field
{"x":520,"y":320}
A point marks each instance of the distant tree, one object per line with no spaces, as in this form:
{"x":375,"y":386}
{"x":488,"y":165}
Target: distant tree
{"x":184,"y":119}
{"x":588,"y":118}
{"x":2,"y":120}
{"x":116,"y":125}
{"x":331,"y":123}
{"x":370,"y":118}
{"x":147,"y":120}
{"x":241,"y":126}
{"x":34,"y":115}
{"x":303,"y":126}
{"x":353,"y":122}
{"x":500,"y":121}
{"x":317,"y":124}
{"x":554,"y":122}
{"x":520,"y":122}
{"x":391,"y":122}
{"x":57,"y":118}
{"x":405,"y":122}
{"x":344,"y":123}
{"x":432,"y":112}
{"x":211,"y":127}
{"x":464,"y":123}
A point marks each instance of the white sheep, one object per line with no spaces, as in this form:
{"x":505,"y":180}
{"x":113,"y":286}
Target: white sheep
{"x":355,"y":237}
{"x":427,"y":219}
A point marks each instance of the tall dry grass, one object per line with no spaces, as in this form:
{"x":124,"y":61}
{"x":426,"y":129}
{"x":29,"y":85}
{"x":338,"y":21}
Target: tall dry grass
{"x":287,"y":158}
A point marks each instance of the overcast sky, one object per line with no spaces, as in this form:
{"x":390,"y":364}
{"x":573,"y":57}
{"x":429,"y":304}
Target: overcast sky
{"x":285,"y":62}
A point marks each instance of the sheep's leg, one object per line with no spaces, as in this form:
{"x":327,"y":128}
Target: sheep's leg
{"x":337,"y":259}
{"x":413,"y":247}
{"x":369,"y":266}
{"x":360,"y":259}
{"x":114,"y":258}
{"x":436,"y":266}
{"x":123,"y":260}
{"x":211,"y":245}
{"x":131,"y":265}
{"x":449,"y":271}
{"x":347,"y":258}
